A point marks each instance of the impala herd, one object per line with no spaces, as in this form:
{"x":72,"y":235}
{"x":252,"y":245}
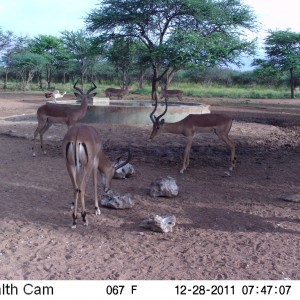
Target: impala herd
{"x":83,"y":149}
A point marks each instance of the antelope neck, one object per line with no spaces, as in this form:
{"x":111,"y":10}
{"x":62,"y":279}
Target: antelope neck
{"x":173,"y":128}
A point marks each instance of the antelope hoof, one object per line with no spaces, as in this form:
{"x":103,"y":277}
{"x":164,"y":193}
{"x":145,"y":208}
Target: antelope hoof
{"x":33,"y":155}
{"x":181,"y":171}
{"x":73,"y":226}
{"x":86,"y":223}
{"x":98,"y":212}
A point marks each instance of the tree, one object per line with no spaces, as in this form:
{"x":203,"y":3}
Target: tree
{"x":282,"y":53}
{"x":120,"y":54}
{"x":6,"y":39}
{"x":81,"y":49}
{"x":51,"y":48}
{"x":26,"y":64}
{"x":176,"y":32}
{"x":18,"y":45}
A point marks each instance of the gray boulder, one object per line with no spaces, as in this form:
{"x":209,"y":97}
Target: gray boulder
{"x":114,"y":200}
{"x":292,"y":198}
{"x":164,"y":187}
{"x":124,"y":172}
{"x":159,"y":223}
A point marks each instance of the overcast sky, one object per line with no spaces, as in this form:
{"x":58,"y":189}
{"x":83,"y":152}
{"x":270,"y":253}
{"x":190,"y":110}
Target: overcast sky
{"x":34,"y":17}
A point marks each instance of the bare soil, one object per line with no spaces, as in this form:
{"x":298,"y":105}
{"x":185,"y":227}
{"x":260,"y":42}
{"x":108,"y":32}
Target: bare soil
{"x":236,"y":227}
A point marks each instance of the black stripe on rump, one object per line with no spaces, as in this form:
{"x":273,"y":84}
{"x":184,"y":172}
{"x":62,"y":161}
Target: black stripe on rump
{"x":85,"y":150}
{"x":67,"y":149}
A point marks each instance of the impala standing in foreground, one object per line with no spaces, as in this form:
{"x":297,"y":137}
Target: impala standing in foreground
{"x":82,"y":148}
{"x":170,"y":93}
{"x":219,"y":124}
{"x":119,"y":93}
{"x":49,"y":114}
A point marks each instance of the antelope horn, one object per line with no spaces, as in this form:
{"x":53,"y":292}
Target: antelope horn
{"x":152,"y":117}
{"x":127,"y":160}
{"x":92,"y":88}
{"x":166,"y":102}
{"x":76,"y":88}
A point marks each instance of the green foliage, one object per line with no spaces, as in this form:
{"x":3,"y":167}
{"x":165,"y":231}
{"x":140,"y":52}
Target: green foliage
{"x":282,"y":53}
{"x":80,"y":47}
{"x":212,"y":34}
{"x":283,"y":49}
{"x":6,"y":39}
{"x":26,"y":64}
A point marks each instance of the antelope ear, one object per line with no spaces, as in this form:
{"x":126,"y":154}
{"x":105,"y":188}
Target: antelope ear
{"x":77,"y":95}
{"x":93,"y":94}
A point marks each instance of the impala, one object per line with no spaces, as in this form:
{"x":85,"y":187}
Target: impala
{"x":83,"y":148}
{"x":49,"y":114}
{"x":119,"y":93}
{"x":219,"y":124}
{"x":55,"y":95}
{"x":170,"y":93}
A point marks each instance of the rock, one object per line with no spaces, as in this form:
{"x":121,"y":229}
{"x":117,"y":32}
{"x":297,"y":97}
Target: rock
{"x":114,"y":200}
{"x":164,"y":187}
{"x":124,"y":172}
{"x":159,"y":223}
{"x":292,"y":198}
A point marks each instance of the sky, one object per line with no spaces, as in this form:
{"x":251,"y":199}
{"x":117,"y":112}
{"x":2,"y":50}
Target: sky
{"x":276,"y":15}
{"x":34,"y":17}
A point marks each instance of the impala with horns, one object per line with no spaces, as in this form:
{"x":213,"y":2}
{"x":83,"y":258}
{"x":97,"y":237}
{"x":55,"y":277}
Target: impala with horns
{"x":83,"y":149}
{"x":170,"y":93}
{"x":49,"y":114}
{"x":119,"y":93}
{"x":219,"y":124}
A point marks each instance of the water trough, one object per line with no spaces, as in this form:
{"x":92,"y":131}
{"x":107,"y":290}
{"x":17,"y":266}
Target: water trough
{"x":129,"y":112}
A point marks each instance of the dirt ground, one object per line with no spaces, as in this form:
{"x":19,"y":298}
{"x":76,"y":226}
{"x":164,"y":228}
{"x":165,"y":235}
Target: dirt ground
{"x":236,"y":227}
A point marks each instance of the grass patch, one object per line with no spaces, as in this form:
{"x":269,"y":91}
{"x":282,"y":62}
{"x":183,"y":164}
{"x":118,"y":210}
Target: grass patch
{"x":189,"y":89}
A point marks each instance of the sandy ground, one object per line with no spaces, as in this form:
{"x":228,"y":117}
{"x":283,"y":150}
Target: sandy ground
{"x":234,"y":227}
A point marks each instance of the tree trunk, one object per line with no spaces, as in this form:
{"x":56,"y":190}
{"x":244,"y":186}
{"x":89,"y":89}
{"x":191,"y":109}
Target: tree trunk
{"x":48,"y":76}
{"x":171,"y":76}
{"x":28,"y":80}
{"x":6,"y":78}
{"x":154,"y":84}
{"x":156,"y":78}
{"x":141,"y":79}
{"x":292,"y":83}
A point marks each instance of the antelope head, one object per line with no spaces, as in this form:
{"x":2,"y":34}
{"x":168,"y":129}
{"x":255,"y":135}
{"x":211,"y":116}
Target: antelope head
{"x":108,"y":172}
{"x":81,"y":94}
{"x":157,"y":121}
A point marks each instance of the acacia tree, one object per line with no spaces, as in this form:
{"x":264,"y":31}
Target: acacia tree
{"x":52,"y":49}
{"x":81,"y":49}
{"x":6,"y":39}
{"x":120,"y":54}
{"x":26,"y":64}
{"x":17,"y":45}
{"x":282,"y":53}
{"x":176,"y":32}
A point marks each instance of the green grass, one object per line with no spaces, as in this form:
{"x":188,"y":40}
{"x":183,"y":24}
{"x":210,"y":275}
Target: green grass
{"x":217,"y":91}
{"x":189,"y":89}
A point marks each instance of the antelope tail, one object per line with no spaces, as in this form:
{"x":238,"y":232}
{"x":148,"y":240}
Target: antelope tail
{"x":77,"y":154}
